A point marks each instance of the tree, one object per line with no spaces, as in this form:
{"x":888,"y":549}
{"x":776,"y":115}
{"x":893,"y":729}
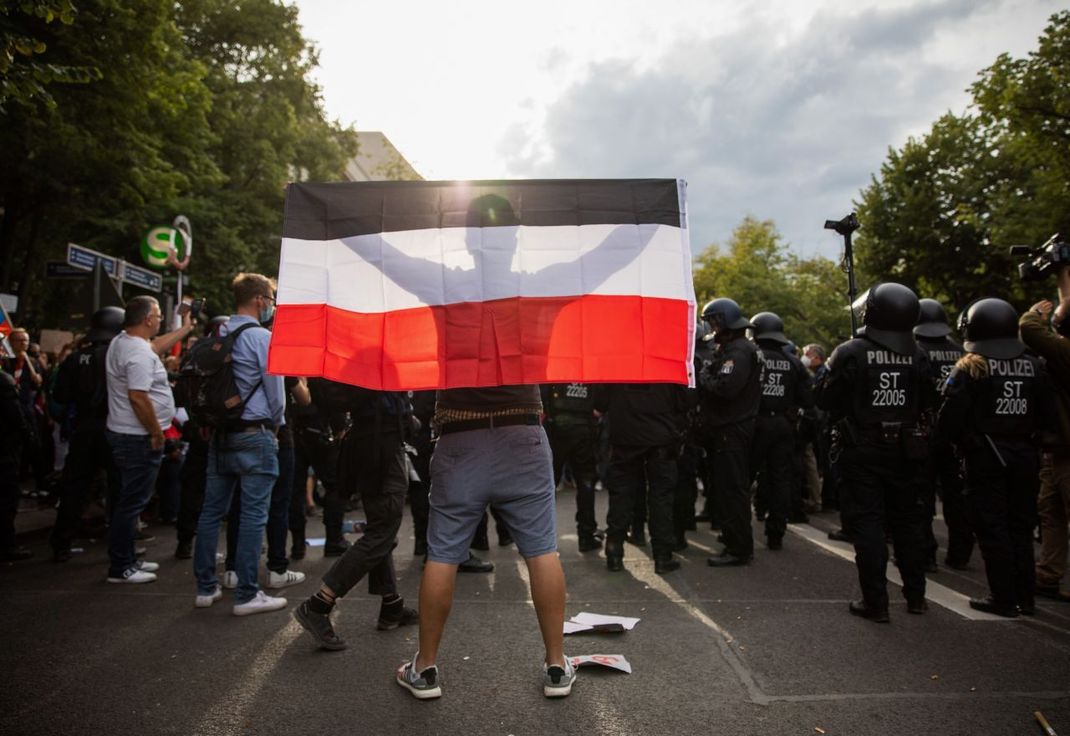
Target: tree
{"x":944,"y":208}
{"x":759,"y":271}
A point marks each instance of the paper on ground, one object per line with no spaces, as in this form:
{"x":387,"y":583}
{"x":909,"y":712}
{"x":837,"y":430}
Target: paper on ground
{"x":613,"y":661}
{"x":594,"y":619}
{"x":316,"y":541}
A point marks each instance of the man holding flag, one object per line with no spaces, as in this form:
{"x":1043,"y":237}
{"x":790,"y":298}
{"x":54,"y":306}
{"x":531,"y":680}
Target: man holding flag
{"x":483,"y":290}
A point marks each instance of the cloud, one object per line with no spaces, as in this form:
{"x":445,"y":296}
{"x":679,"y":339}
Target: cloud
{"x":782,"y":124}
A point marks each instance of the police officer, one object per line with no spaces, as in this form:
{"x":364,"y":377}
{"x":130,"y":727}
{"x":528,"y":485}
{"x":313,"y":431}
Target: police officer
{"x":933,"y":335}
{"x":646,"y":432}
{"x":876,"y":390}
{"x":729,"y":392}
{"x":572,"y":427}
{"x":81,"y":381}
{"x":315,"y":447}
{"x":785,"y":389}
{"x":996,"y":401}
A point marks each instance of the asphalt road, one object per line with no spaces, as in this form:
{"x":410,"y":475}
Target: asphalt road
{"x":767,"y":649}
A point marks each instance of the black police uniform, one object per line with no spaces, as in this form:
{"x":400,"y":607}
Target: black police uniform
{"x":572,"y":430}
{"x":729,"y":395}
{"x":647,"y":423}
{"x":876,"y":397}
{"x":82,"y":381}
{"x":785,"y":389}
{"x":945,"y":476}
{"x":12,"y":429}
{"x":992,"y":419}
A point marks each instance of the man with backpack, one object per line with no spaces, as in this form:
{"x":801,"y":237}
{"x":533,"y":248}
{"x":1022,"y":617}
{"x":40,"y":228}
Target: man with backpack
{"x":243,"y":406}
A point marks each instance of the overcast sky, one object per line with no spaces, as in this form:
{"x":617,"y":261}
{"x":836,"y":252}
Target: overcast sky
{"x":781,"y":110}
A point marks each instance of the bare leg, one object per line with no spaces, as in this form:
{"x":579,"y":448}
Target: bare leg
{"x":436,"y":600}
{"x":548,"y":595}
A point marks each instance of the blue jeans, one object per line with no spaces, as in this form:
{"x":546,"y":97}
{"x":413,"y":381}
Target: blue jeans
{"x":278,"y":523}
{"x":138,"y":466}
{"x":251,"y":460}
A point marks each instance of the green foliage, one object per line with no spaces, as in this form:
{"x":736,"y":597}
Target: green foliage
{"x":945,"y":207}
{"x":205,"y":108}
{"x":759,"y":271}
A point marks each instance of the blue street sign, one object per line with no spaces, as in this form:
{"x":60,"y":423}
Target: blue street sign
{"x":85,"y":258}
{"x":142,"y":277}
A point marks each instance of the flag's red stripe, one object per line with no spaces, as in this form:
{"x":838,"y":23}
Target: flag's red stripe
{"x":591,"y":339}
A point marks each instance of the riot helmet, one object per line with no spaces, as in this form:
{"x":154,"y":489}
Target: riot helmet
{"x":702,"y":332}
{"x":106,"y":323}
{"x":211,"y":327}
{"x":990,"y":328}
{"x":889,"y":312}
{"x":932,"y":323}
{"x":724,"y":314}
{"x":768,"y":326}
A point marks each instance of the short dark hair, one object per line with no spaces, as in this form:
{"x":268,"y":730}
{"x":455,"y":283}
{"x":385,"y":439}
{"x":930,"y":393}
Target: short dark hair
{"x":137,"y":310}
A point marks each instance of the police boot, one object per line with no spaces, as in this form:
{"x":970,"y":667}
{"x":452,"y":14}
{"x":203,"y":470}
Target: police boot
{"x":664,"y":563}
{"x":588,"y":543}
{"x":614,"y":555}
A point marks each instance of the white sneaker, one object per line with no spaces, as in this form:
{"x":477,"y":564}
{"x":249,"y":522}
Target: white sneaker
{"x":133,"y":576}
{"x":204,"y":601}
{"x":145,"y":566}
{"x":284,"y":579}
{"x":230,"y":580}
{"x":262,"y":603}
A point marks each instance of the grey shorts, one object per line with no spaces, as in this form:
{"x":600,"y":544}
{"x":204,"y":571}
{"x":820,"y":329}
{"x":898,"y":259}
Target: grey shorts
{"x":508,"y":467}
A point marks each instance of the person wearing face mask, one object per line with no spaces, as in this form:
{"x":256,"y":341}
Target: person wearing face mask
{"x":244,"y":454}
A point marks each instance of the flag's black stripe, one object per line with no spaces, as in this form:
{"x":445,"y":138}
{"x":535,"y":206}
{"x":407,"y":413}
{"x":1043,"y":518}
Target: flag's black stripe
{"x":327,"y":211}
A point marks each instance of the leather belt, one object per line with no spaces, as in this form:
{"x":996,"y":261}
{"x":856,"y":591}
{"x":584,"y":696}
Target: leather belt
{"x":508,"y":420}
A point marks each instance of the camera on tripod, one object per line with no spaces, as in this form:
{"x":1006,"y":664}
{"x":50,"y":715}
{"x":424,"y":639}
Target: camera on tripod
{"x":1045,"y":260}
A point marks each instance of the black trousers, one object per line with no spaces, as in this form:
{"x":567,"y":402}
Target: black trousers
{"x":686,"y":491}
{"x":9,"y":501}
{"x":771,"y":460}
{"x":194,"y":478}
{"x":573,"y":444}
{"x":312,"y":452}
{"x":87,"y":456}
{"x":1003,"y":509}
{"x":419,"y":490}
{"x":879,"y":489}
{"x":373,"y":467}
{"x":632,"y":469}
{"x":728,"y":450}
{"x":951,"y":489}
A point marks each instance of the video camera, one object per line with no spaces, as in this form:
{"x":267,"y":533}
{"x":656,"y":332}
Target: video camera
{"x":1045,"y":260}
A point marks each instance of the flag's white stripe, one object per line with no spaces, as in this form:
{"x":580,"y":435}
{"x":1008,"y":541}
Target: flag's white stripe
{"x":417,"y":268}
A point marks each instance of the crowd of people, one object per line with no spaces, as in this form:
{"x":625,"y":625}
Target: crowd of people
{"x":890,"y":422}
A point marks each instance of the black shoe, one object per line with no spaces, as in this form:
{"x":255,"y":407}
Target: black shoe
{"x":16,"y":554}
{"x":775,"y":543}
{"x":184,"y":551}
{"x":636,"y":538}
{"x":1027,"y":609}
{"x":61,"y":555}
{"x":666,"y":565}
{"x":419,"y":548}
{"x":481,"y":543}
{"x":681,"y":543}
{"x":319,"y":625}
{"x":395,"y":614}
{"x":504,"y":538}
{"x":918,"y":607}
{"x":956,"y":565}
{"x":931,"y":567}
{"x":336,"y":548}
{"x":727,"y":560}
{"x":860,"y":609}
{"x":798,"y":519}
{"x":297,"y":551}
{"x":143,"y":536}
{"x":588,"y":543}
{"x":988,"y":605}
{"x":614,"y":563}
{"x":840,"y":536}
{"x":474,"y":564}
{"x":1052,"y":592}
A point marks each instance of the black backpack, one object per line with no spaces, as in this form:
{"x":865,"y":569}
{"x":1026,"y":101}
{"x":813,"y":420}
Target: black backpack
{"x":206,"y":386}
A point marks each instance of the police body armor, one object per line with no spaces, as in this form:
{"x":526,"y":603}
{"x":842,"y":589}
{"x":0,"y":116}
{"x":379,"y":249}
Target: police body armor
{"x":571,"y":398}
{"x":943,"y":354}
{"x":778,"y":382}
{"x":1006,"y":405}
{"x":82,"y":380}
{"x":887,"y":393}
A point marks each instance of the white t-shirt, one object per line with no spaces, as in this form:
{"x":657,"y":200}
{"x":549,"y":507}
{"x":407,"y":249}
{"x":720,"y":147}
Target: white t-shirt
{"x":133,"y":366}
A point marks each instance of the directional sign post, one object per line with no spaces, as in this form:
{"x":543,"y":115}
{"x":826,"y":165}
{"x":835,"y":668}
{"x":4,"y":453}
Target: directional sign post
{"x":146,"y":279}
{"x":64,"y":270}
{"x":87,"y":259}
